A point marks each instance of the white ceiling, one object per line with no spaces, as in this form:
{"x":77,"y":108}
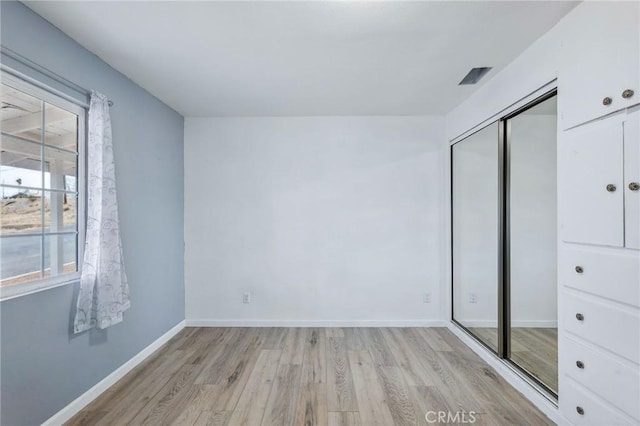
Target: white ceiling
{"x":305,"y":58}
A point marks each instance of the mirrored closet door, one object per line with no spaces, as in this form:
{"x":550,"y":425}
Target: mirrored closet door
{"x":504,"y":245}
{"x":476,"y":229}
{"x":531,"y":244}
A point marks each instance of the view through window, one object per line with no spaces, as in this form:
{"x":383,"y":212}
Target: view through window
{"x":39,"y":184}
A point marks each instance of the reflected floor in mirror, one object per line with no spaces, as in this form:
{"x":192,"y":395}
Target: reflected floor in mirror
{"x":533,"y":349}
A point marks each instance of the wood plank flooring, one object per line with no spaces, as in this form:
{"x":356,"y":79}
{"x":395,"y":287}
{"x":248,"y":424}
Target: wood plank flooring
{"x":310,"y":376}
{"x":533,"y":349}
{"x":537,"y":352}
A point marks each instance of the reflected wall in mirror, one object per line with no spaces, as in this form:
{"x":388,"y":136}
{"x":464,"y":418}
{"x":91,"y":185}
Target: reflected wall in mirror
{"x":476,"y":229}
{"x":531,"y":157}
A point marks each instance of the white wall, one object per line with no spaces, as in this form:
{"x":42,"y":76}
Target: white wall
{"x":322,"y":219}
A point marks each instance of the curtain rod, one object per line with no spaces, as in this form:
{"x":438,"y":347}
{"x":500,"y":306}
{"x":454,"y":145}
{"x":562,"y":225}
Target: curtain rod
{"x":48,"y":73}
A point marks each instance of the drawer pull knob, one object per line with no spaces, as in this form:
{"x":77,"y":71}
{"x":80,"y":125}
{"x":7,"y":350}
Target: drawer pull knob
{"x":611,"y":188}
{"x":580,"y":317}
{"x":579,"y":269}
{"x":627,"y":93}
{"x":607,"y":101}
{"x":634,"y":186}
{"x":580,"y":364}
{"x":580,"y":410}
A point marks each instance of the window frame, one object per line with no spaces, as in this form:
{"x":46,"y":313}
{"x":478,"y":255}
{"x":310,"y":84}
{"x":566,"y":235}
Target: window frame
{"x":41,"y":92}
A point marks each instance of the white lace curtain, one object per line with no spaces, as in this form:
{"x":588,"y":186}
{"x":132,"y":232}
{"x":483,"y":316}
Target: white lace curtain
{"x":104,"y":292}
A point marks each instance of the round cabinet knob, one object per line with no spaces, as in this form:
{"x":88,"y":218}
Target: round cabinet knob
{"x":580,"y":410}
{"x":611,"y":188}
{"x":579,"y":269}
{"x":580,"y":317}
{"x":627,"y":93}
{"x":607,"y":101}
{"x":634,"y":186}
{"x":580,"y":364}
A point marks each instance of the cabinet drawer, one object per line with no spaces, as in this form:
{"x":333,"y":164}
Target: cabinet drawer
{"x":612,"y":327}
{"x":617,"y":383}
{"x":614,"y":275}
{"x":595,"y":411}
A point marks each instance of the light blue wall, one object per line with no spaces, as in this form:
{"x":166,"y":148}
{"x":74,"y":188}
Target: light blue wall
{"x":44,"y":367}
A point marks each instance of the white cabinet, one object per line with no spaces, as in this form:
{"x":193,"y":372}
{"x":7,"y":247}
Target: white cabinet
{"x":598,"y":202}
{"x":581,"y":406}
{"x":608,"y":273}
{"x":599,"y":300}
{"x":599,"y":214}
{"x":599,"y":354}
{"x":604,"y":375}
{"x":632,"y":181}
{"x":603,"y":323}
{"x":592,"y":211}
{"x":599,"y":61}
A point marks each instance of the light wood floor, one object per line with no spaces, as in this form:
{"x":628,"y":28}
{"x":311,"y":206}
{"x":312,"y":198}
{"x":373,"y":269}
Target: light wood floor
{"x":534,"y":349}
{"x":303,"y":376}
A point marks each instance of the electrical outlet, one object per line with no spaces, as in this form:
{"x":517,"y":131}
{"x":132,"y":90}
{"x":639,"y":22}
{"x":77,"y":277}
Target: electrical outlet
{"x":426,"y":297}
{"x":473,"y":298}
{"x":246,"y":297}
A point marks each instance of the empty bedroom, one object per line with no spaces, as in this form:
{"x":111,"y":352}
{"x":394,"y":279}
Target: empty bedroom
{"x":320,"y":213}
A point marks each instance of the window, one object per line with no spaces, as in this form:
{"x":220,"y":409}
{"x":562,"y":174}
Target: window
{"x":42,"y":188}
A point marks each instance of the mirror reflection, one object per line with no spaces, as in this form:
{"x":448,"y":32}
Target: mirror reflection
{"x":532,"y":241}
{"x":476,"y":228}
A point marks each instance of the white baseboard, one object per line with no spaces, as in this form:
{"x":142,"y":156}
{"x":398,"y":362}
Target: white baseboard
{"x":514,"y":323}
{"x":534,"y":323}
{"x":478,"y":323}
{"x":83,"y":400}
{"x":313,"y":323}
{"x":514,"y":378}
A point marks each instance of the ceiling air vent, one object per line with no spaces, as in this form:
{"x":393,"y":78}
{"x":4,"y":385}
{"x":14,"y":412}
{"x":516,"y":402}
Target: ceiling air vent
{"x":475,"y":75}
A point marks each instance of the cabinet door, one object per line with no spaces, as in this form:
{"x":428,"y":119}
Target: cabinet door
{"x":589,"y":159}
{"x":631,"y":181}
{"x":599,"y":58}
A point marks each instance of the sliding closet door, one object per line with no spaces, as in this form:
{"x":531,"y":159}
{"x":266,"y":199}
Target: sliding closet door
{"x":532,"y":242}
{"x":475,"y":195}
{"x":504,"y":244}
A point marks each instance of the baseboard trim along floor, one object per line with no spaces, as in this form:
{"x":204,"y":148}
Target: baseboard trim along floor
{"x":86,"y":398}
{"x":312,"y":323}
